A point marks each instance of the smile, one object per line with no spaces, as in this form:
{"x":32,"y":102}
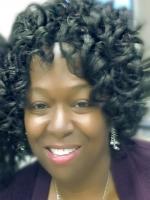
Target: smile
{"x":63,"y":155}
{"x":62,"y":152}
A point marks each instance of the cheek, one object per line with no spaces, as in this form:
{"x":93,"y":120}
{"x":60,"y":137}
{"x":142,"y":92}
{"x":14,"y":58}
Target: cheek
{"x":93,"y":125}
{"x":34,"y":125}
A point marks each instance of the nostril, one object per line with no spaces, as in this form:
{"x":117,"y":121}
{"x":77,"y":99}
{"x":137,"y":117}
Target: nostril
{"x":60,"y":130}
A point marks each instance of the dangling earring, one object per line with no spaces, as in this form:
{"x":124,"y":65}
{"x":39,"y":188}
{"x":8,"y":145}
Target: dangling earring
{"x":20,"y":147}
{"x":113,"y":140}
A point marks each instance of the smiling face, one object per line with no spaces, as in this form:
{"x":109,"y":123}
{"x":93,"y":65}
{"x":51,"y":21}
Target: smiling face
{"x":65,"y":132}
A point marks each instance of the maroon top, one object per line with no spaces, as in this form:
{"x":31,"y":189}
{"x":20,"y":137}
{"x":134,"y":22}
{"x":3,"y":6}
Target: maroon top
{"x":131,"y":174}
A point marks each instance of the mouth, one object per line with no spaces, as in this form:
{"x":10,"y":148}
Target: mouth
{"x":63,"y":154}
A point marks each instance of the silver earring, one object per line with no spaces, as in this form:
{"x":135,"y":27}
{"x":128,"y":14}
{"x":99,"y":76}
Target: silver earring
{"x":113,"y":140}
{"x":20,"y":147}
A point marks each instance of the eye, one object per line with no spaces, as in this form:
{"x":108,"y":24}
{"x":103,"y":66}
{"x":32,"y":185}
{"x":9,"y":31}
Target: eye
{"x":38,"y":107}
{"x":82,"y":104}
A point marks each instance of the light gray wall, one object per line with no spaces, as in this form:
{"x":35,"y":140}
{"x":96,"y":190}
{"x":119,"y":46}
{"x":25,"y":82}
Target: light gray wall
{"x":142,"y":15}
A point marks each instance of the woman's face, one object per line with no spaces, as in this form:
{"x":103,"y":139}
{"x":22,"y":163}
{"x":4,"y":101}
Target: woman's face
{"x":67,"y":135}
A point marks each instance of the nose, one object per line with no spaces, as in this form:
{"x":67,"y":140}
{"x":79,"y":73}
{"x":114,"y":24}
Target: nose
{"x":60,"y":123}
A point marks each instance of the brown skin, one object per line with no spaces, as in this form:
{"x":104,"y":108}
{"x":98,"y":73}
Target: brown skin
{"x":58,"y":113}
{"x":110,"y":194}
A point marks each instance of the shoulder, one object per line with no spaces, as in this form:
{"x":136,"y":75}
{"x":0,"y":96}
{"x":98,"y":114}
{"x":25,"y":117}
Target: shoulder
{"x":142,"y":144}
{"x":22,"y":184}
{"x":139,"y":160}
{"x":138,"y":151}
{"x":141,"y":152}
{"x":137,"y":157}
{"x":132,"y":171}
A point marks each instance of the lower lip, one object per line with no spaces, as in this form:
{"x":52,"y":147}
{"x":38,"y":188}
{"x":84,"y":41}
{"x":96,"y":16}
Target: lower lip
{"x":65,"y":159}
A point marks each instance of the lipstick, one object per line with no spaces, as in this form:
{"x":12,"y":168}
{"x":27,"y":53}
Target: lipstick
{"x":63,"y":155}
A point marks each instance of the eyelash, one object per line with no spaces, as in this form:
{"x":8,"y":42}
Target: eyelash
{"x":38,"y":106}
{"x":78,"y":106}
{"x":82,"y":104}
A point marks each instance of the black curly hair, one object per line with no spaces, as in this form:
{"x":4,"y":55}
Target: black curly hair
{"x":92,"y":35}
{"x":3,"y":49}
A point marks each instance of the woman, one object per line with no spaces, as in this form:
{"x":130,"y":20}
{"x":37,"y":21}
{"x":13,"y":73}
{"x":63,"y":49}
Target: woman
{"x":74,"y":96}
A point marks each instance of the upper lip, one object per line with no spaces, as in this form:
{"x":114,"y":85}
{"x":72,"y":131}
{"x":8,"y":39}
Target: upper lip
{"x":62,"y":146}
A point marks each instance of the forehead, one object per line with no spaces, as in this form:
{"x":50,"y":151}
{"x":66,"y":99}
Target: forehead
{"x":57,"y":71}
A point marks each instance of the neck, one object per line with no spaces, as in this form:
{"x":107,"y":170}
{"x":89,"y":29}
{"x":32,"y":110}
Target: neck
{"x":91,"y":187}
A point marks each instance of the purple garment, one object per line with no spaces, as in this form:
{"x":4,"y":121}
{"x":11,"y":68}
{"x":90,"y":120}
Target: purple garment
{"x":131,"y":174}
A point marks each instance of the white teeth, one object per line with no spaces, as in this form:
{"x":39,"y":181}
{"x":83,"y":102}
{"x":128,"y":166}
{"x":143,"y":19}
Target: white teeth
{"x":61,"y":152}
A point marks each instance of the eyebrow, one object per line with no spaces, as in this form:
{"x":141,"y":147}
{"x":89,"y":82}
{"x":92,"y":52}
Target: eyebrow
{"x":72,"y":87}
